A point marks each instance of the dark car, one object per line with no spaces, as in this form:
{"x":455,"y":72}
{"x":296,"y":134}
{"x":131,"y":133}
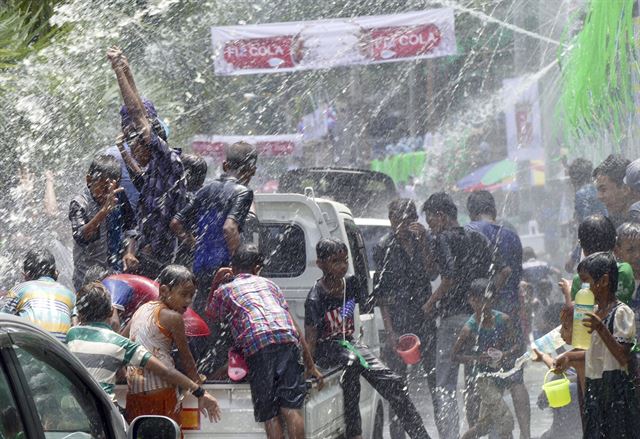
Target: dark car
{"x":45,"y":392}
{"x":366,"y":193}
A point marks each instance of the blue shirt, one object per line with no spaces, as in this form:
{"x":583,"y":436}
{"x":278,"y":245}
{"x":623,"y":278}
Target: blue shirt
{"x":220,"y":200}
{"x":509,"y":250}
{"x":587,"y":203}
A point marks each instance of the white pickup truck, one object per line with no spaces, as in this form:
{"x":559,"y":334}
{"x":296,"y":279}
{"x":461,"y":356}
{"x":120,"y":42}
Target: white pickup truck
{"x":290,"y":227}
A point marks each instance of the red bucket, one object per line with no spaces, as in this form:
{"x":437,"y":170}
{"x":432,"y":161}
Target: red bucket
{"x":409,"y":348}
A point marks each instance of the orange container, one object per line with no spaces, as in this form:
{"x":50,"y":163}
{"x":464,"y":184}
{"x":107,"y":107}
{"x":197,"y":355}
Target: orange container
{"x":409,"y":348}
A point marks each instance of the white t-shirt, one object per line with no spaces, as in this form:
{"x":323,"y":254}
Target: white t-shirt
{"x":599,"y":359}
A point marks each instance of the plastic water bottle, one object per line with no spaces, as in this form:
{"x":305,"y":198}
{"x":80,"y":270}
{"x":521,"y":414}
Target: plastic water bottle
{"x":550,"y":342}
{"x":581,"y":339}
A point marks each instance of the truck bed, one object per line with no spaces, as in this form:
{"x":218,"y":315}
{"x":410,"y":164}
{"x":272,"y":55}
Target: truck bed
{"x":323,"y":410}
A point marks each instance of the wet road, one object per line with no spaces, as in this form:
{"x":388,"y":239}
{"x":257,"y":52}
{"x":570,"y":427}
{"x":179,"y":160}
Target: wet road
{"x":533,"y":375}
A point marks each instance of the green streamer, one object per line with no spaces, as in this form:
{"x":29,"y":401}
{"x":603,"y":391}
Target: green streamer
{"x":351,"y":348}
{"x":597,"y":72}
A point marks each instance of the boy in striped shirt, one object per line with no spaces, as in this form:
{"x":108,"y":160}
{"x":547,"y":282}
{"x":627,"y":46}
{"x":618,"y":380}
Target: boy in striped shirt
{"x":41,"y":299}
{"x":103,"y":351}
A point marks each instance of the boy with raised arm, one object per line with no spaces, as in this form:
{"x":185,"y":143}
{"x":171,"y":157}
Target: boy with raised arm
{"x":157,"y":171}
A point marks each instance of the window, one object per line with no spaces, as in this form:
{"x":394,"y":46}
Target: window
{"x":284,"y":248}
{"x":64,"y":405}
{"x":10,"y":422}
{"x":359,"y":255}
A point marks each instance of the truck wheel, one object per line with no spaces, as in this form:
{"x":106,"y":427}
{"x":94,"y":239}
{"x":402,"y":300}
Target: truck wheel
{"x":378,"y":423}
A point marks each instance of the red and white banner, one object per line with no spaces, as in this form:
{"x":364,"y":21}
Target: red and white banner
{"x":322,"y":44}
{"x":522,"y":119}
{"x":267,"y":146}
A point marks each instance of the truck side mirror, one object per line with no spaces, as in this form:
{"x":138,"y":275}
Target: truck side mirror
{"x":153,"y":427}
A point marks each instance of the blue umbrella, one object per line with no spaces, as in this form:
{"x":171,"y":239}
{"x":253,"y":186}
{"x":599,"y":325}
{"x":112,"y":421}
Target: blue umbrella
{"x":475,"y":178}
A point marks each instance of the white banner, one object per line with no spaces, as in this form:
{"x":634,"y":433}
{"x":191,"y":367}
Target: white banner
{"x":322,"y":44}
{"x":522,"y":118}
{"x":270,"y":146}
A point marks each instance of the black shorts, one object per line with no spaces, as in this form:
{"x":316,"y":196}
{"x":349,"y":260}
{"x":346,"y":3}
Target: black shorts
{"x":276,"y":376}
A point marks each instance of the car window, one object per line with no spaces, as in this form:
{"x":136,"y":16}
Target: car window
{"x":65,"y":408}
{"x":372,"y":236}
{"x":357,"y":247}
{"x":284,"y":248}
{"x":10,"y":422}
{"x":359,"y":255}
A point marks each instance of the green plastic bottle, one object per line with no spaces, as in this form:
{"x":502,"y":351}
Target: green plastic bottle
{"x":584,"y":302}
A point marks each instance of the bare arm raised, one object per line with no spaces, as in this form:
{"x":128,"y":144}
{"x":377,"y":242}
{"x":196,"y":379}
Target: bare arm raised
{"x":132,"y":99}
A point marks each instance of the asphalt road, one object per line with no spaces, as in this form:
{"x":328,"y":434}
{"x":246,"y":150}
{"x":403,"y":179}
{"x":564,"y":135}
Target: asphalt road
{"x":533,"y":375}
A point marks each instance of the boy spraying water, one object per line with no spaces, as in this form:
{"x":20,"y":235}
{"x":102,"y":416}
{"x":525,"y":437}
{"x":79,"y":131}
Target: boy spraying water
{"x":484,"y":344}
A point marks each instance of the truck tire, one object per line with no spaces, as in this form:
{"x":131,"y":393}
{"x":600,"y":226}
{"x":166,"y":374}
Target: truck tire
{"x":378,"y":423}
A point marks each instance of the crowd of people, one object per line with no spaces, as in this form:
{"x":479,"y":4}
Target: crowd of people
{"x":494,"y":295}
{"x":146,"y":210}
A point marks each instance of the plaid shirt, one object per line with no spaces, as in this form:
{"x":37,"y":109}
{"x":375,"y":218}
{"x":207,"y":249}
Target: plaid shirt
{"x":256,"y":311}
{"x":162,"y":195}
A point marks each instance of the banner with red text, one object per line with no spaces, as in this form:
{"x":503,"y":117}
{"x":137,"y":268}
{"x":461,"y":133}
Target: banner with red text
{"x":322,"y":44}
{"x":267,"y":146}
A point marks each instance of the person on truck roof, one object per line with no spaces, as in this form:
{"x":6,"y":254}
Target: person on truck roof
{"x":271,"y":346}
{"x":219,"y":211}
{"x":157,"y":172}
{"x":329,"y":328}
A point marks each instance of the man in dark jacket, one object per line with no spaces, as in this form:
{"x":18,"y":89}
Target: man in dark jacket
{"x":402,"y":285}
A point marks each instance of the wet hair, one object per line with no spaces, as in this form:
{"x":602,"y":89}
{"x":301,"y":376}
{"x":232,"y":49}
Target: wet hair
{"x":597,"y":234}
{"x":246,"y":257}
{"x":481,"y":288}
{"x":481,"y":203}
{"x":440,"y":202}
{"x":614,"y":167}
{"x":328,"y":247}
{"x":241,"y":155}
{"x":628,"y":231}
{"x":174,"y":275}
{"x":38,"y":263}
{"x":597,"y":265}
{"x":195,"y":171}
{"x":93,"y":303}
{"x":96,"y":273}
{"x":152,"y":116}
{"x":104,"y":166}
{"x":528,"y":253}
{"x":580,"y":172}
{"x":402,"y":206}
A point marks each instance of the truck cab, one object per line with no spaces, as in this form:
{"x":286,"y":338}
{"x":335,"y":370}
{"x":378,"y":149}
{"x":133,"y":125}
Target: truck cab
{"x":290,"y":227}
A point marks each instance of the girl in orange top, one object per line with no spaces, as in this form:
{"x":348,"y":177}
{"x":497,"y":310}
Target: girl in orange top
{"x":159,"y":326}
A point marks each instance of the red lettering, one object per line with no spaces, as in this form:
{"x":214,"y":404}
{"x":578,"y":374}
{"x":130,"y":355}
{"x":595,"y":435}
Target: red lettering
{"x":403,"y":41}
{"x":259,"y":53}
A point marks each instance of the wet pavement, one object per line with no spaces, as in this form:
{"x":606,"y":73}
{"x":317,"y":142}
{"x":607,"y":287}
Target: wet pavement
{"x":533,"y":376}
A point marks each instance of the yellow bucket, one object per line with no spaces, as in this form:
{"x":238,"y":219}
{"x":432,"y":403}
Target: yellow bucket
{"x":557,"y":391}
